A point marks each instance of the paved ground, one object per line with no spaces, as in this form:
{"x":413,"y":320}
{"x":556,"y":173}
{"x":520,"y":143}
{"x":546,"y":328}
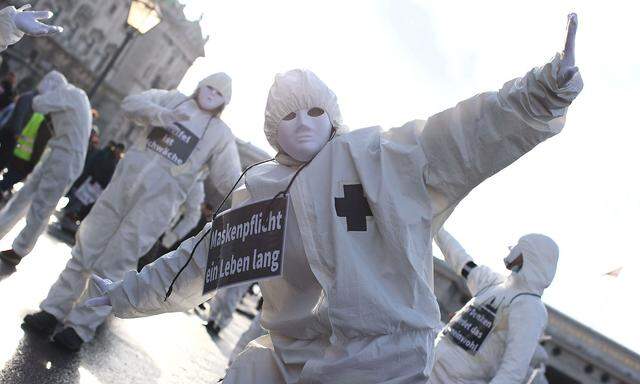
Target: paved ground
{"x":171,"y":348}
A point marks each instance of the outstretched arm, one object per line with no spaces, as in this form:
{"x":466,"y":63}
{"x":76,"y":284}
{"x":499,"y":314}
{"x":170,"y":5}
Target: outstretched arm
{"x":480,"y":136}
{"x":478,"y":277}
{"x":15,"y":23}
{"x":143,"y":294}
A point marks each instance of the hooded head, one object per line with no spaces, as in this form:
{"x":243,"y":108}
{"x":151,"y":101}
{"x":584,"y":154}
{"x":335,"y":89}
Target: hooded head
{"x":539,"y":261}
{"x":51,"y":81}
{"x":293,"y":91}
{"x":221,"y":82}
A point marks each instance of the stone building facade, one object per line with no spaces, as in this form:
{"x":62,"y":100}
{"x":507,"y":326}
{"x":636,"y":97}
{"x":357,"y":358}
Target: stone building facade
{"x":93,"y":32}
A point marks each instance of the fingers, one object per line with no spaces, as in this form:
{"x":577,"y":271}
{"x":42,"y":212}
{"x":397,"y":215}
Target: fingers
{"x":41,"y":15}
{"x":572,"y":27}
{"x":98,"y":301}
{"x":24,"y":7}
{"x":102,"y":284}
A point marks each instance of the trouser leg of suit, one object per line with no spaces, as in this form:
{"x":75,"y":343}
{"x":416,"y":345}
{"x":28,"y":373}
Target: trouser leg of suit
{"x":224,"y":303}
{"x":66,"y":290}
{"x":17,"y":207}
{"x":72,"y":281}
{"x":54,"y":176}
{"x":136,"y":233}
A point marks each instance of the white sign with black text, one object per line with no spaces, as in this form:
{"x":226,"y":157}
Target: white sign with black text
{"x":247,"y":244}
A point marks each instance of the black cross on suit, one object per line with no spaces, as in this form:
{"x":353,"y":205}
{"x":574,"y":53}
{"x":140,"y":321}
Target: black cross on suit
{"x":354,"y":206}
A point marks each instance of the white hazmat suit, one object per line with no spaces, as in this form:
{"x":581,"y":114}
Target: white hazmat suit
{"x":149,"y":185}
{"x":493,"y":338}
{"x":58,"y":168}
{"x":355,"y":302}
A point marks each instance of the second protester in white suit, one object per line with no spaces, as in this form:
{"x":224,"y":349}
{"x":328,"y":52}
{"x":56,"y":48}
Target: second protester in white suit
{"x":493,"y":338}
{"x":184,"y":140}
{"x":58,"y":168}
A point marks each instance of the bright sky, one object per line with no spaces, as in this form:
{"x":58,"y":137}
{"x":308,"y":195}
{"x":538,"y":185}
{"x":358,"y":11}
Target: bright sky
{"x":391,"y":61}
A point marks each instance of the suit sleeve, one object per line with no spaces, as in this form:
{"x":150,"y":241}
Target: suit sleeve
{"x":146,"y":108}
{"x":478,"y":277}
{"x":472,"y":141}
{"x":9,"y":33}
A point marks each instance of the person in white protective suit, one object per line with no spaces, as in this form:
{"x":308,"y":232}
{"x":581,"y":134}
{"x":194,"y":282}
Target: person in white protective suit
{"x":493,"y":338}
{"x":222,"y":306}
{"x":15,"y":23}
{"x":70,"y":112}
{"x":355,"y":302}
{"x":185,"y":141}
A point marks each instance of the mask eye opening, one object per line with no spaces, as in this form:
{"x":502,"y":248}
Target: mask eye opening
{"x":315,"y":112}
{"x":290,"y":116}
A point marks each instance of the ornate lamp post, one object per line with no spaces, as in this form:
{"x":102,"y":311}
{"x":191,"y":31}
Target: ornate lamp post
{"x":144,"y":15}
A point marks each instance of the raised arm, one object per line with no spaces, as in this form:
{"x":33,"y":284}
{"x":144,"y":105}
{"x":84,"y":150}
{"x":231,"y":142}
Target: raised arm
{"x":15,"y":23}
{"x":480,"y":136}
{"x":527,"y":319}
{"x":153,"y":107}
{"x":478,"y":277}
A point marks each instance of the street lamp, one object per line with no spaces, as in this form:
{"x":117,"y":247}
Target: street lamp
{"x":143,"y":16}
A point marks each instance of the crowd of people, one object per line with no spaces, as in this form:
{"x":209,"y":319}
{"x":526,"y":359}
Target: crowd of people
{"x":355,"y":302}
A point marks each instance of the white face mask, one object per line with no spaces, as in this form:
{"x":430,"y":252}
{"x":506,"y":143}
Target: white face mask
{"x":302,"y":134}
{"x":209,"y":99}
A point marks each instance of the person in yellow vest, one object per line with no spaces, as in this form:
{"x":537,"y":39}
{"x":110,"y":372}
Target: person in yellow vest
{"x":30,"y":145}
{"x":70,"y":112}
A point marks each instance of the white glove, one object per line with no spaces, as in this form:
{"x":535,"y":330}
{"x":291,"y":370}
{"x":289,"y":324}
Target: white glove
{"x":103,"y":286}
{"x":169,"y":239}
{"x":168,"y":117}
{"x":27,"y":22}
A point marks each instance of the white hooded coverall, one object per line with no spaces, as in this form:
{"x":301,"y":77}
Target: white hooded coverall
{"x":355,"y":303}
{"x":9,"y":33}
{"x":493,"y":338}
{"x":60,"y":165}
{"x":143,"y":196}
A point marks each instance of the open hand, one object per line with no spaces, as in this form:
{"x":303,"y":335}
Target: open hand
{"x":103,"y":286}
{"x":28,"y":22}
{"x":568,"y":63}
